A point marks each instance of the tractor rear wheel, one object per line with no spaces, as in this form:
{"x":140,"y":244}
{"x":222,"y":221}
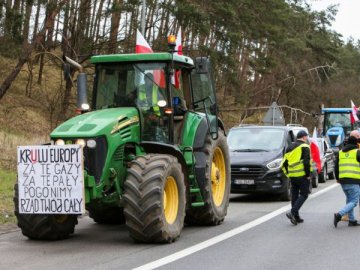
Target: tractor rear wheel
{"x":155,"y":198}
{"x":217,"y":184}
{"x":42,"y":226}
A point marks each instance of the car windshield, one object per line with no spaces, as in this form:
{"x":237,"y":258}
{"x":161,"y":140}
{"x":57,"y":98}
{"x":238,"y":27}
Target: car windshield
{"x":255,"y":139}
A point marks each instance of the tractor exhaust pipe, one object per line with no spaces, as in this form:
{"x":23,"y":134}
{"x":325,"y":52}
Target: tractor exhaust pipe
{"x":82,"y":101}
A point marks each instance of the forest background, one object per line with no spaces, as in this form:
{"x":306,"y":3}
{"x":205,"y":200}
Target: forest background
{"x":262,"y":51}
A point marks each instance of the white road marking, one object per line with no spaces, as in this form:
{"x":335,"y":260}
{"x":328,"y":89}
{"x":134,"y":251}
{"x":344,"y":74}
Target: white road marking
{"x":212,"y":241}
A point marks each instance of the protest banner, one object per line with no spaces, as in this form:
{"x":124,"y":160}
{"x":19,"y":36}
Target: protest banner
{"x":50,"y":179}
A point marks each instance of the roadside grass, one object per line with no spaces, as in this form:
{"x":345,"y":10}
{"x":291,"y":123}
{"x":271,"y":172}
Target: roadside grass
{"x":7,"y":181}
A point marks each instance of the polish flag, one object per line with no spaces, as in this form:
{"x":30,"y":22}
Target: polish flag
{"x":353,"y":115}
{"x":141,"y":45}
{"x":315,"y":150}
{"x":175,"y":80}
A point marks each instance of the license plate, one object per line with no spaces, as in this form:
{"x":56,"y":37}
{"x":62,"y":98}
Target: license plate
{"x":244,"y":181}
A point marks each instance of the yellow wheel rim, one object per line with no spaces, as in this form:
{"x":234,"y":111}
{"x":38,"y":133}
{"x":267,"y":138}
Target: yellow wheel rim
{"x":218,"y":176}
{"x":170,"y":200}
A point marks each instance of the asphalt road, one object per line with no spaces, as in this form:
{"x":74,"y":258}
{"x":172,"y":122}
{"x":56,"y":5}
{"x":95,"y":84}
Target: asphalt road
{"x":255,"y":235}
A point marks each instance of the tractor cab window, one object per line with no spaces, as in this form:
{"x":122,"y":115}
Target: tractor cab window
{"x":140,"y":85}
{"x":204,"y":99}
{"x":338,"y":120}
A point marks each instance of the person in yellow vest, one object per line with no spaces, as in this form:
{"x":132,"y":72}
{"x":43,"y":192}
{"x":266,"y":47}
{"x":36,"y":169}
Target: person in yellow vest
{"x":148,"y":97}
{"x":347,"y":171}
{"x":297,"y":166}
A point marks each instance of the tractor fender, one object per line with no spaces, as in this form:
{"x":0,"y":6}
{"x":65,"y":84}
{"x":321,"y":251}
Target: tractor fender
{"x":200,"y":135}
{"x":161,"y":148}
{"x":202,"y":131}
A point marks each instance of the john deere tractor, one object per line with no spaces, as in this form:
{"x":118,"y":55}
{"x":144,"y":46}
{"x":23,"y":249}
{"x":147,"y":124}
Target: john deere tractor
{"x":153,"y":161}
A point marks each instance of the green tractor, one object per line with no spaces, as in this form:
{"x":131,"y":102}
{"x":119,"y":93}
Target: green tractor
{"x":155,"y":157}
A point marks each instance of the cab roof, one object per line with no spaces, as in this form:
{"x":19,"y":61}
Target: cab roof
{"x":141,"y":57}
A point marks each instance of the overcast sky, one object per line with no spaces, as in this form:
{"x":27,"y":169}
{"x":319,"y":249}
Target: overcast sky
{"x":347,"y":20}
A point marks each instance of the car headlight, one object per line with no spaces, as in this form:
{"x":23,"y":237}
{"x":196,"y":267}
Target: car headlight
{"x":275,"y":164}
{"x":59,"y":142}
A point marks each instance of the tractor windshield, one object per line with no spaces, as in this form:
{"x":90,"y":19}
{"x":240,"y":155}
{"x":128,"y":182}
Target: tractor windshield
{"x":140,"y":85}
{"x":337,"y":120}
{"x":123,"y":85}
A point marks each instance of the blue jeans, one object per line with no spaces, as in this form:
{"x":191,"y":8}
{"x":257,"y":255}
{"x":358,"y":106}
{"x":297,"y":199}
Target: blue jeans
{"x":352,"y":192}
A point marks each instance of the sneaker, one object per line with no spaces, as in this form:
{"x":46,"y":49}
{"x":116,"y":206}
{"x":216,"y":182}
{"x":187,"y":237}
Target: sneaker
{"x":299,"y":219}
{"x":353,"y":223}
{"x":337,"y":218}
{"x":291,"y":217}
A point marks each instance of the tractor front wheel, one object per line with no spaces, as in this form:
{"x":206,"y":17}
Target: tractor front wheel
{"x":155,"y":198}
{"x":42,"y":226}
{"x":216,"y":189}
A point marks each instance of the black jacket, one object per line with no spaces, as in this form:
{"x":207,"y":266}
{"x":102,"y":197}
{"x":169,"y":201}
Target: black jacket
{"x":346,"y":148}
{"x":305,"y":156}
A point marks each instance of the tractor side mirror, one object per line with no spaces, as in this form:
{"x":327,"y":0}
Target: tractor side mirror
{"x":201,"y":65}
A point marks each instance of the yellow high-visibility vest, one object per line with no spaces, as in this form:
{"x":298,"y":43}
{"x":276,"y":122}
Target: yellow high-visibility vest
{"x":154,"y":99}
{"x":295,"y":163}
{"x":349,"y":167}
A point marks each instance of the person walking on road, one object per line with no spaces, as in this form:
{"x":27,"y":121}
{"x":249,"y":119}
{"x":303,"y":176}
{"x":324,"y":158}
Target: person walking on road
{"x":347,"y":171}
{"x":296,"y":165}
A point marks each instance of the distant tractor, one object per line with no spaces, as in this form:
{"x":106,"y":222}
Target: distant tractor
{"x":337,"y":126}
{"x":151,"y":160}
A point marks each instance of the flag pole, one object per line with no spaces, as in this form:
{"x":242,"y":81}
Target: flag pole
{"x":143,"y":18}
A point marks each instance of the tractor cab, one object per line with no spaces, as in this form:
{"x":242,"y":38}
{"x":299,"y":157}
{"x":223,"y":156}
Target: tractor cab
{"x":160,"y":86}
{"x":337,"y":125}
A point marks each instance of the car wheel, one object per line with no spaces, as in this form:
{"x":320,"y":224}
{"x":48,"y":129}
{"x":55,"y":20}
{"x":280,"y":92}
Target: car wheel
{"x":331,"y":175}
{"x":323,"y":175}
{"x":286,"y":195}
{"x":315,"y":180}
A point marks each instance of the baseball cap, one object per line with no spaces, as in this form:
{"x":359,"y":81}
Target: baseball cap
{"x":301,"y":134}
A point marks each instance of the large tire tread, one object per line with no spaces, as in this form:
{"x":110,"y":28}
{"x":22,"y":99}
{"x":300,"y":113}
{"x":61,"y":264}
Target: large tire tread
{"x":42,"y":226}
{"x":143,"y":198}
{"x":211,"y":214}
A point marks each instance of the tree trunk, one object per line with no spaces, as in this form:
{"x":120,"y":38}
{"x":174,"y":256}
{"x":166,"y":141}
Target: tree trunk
{"x":115,"y":21}
{"x":29,"y":4}
{"x":28,"y":50}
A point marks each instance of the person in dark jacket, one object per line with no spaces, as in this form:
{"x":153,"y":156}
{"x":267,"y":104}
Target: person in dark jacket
{"x":347,"y":171}
{"x":297,"y":166}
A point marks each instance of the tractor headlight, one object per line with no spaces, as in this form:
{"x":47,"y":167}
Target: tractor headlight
{"x":275,"y":164}
{"x":81,"y":142}
{"x":91,"y":143}
{"x":59,"y":142}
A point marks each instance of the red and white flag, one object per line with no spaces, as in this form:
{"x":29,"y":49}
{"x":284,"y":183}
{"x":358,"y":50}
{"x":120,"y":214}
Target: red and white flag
{"x":353,"y":115}
{"x":143,"y":47}
{"x":141,"y":44}
{"x":178,"y":47}
{"x":315,"y":151}
{"x":175,"y":80}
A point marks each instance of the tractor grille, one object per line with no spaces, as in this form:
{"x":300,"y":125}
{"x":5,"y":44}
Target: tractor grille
{"x":119,"y":153}
{"x":94,"y":159}
{"x":332,"y":139}
{"x":247,"y":172}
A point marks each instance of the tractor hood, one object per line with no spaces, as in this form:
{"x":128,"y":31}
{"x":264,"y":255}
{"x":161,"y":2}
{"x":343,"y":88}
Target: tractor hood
{"x":97,"y":123}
